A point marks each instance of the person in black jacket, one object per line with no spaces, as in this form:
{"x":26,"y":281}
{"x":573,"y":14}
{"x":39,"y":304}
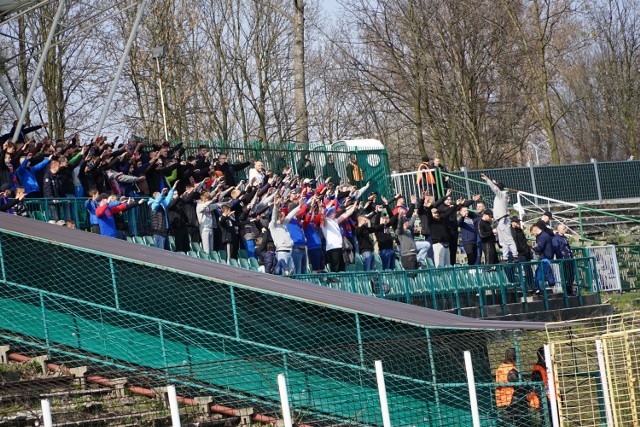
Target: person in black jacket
{"x":178,"y":223}
{"x":189,"y":199}
{"x":384,"y":237}
{"x":228,"y":170}
{"x":488,"y":238}
{"x":525,"y":254}
{"x":438,"y":220}
{"x":229,"y":232}
{"x":365,"y":245}
{"x":52,"y":189}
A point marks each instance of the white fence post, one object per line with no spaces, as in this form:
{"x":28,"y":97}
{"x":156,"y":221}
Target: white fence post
{"x":284,"y":401}
{"x":604,"y":383}
{"x":553,"y":398}
{"x":46,"y":413}
{"x":382,"y":391}
{"x":173,"y":405}
{"x":473,"y":398}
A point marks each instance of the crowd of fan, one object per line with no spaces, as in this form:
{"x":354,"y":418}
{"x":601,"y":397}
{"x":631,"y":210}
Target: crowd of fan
{"x":291,"y":222}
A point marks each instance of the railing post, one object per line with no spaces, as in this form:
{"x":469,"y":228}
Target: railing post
{"x":552,"y":387}
{"x":604,"y":383}
{"x":173,"y":405}
{"x":114,"y":283}
{"x":2,"y":266}
{"x":471,"y":382}
{"x":284,"y":401}
{"x":44,"y":321}
{"x":382,"y":392}
{"x":533,"y":181}
{"x":595,"y":171}
{"x":47,"y":420}
{"x":465,"y":171}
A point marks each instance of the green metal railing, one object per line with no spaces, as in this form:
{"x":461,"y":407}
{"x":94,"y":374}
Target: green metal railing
{"x":458,"y":287}
{"x":374,"y":162}
{"x":72,"y":300}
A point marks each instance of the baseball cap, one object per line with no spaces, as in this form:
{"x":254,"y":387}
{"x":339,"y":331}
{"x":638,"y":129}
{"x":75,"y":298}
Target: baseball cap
{"x":515,"y":219}
{"x":549,"y":214}
{"x":488,"y":212}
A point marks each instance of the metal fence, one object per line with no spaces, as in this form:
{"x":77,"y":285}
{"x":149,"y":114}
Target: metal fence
{"x":472,"y":289}
{"x":373,"y":161}
{"x":233,"y":340}
{"x":575,"y":183}
{"x":595,"y":362}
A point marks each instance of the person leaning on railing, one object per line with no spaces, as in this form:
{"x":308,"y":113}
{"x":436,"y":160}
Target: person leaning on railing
{"x":562,"y":250}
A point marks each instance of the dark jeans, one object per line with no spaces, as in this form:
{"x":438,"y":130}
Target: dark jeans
{"x":161,"y":241}
{"x":544,"y":274}
{"x":568,"y":274}
{"x":336,"y":260}
{"x":471,"y":249}
{"x":299,"y":256}
{"x":409,"y":262}
{"x":490,"y":254}
{"x":368,"y":261}
{"x":388,"y":257}
{"x":528,"y":271}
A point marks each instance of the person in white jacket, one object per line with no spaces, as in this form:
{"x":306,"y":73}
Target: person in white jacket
{"x":501,"y":217}
{"x":207,"y":220}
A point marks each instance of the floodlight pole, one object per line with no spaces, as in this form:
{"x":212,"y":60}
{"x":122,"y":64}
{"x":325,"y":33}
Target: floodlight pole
{"x":36,"y":75}
{"x":116,"y":79}
{"x":158,"y":54}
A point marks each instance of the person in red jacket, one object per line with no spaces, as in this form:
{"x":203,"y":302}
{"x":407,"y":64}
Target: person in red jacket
{"x":105,"y":212}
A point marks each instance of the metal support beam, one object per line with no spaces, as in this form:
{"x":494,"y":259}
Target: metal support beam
{"x":116,"y":79}
{"x":36,"y":75}
{"x":7,"y":92}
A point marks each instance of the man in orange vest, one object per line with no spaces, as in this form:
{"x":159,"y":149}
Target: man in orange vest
{"x":539,"y":374}
{"x":504,"y":394}
{"x":355,"y":176}
{"x":425,"y":179}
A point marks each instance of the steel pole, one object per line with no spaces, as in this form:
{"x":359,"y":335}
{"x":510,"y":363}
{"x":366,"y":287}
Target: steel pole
{"x":36,"y":75}
{"x":164,"y":113}
{"x":116,"y":79}
{"x":12,"y":101}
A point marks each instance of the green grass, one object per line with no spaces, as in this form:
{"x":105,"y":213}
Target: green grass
{"x":623,"y":303}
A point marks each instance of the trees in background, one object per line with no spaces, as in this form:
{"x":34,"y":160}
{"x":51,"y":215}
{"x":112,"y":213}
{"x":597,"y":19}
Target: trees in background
{"x":475,"y":82}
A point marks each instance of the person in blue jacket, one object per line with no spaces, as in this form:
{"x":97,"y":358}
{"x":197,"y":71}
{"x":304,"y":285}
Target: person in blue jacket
{"x":27,"y":175}
{"x":105,"y":212}
{"x":544,"y":249}
{"x":159,"y":218}
{"x":91,"y":205}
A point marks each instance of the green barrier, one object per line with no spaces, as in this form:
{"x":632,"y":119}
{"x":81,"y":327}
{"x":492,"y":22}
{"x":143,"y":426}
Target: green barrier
{"x":457,"y":287}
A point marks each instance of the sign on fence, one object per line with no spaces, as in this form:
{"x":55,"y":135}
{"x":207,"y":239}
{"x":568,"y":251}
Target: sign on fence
{"x":606,"y":267}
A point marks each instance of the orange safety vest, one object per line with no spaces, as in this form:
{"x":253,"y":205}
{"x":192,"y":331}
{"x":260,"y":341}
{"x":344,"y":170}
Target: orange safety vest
{"x":543,"y":374}
{"x":504,"y":395}
{"x":358,"y":176}
{"x":423,"y":169}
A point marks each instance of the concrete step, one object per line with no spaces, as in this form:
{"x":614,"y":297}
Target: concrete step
{"x":533,"y":304}
{"x":564,"y":314}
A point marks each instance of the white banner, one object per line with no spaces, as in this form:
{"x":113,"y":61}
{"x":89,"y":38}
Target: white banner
{"x":607,"y":267}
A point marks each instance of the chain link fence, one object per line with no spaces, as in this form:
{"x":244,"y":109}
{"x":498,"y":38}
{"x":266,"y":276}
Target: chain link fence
{"x":230,"y":341}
